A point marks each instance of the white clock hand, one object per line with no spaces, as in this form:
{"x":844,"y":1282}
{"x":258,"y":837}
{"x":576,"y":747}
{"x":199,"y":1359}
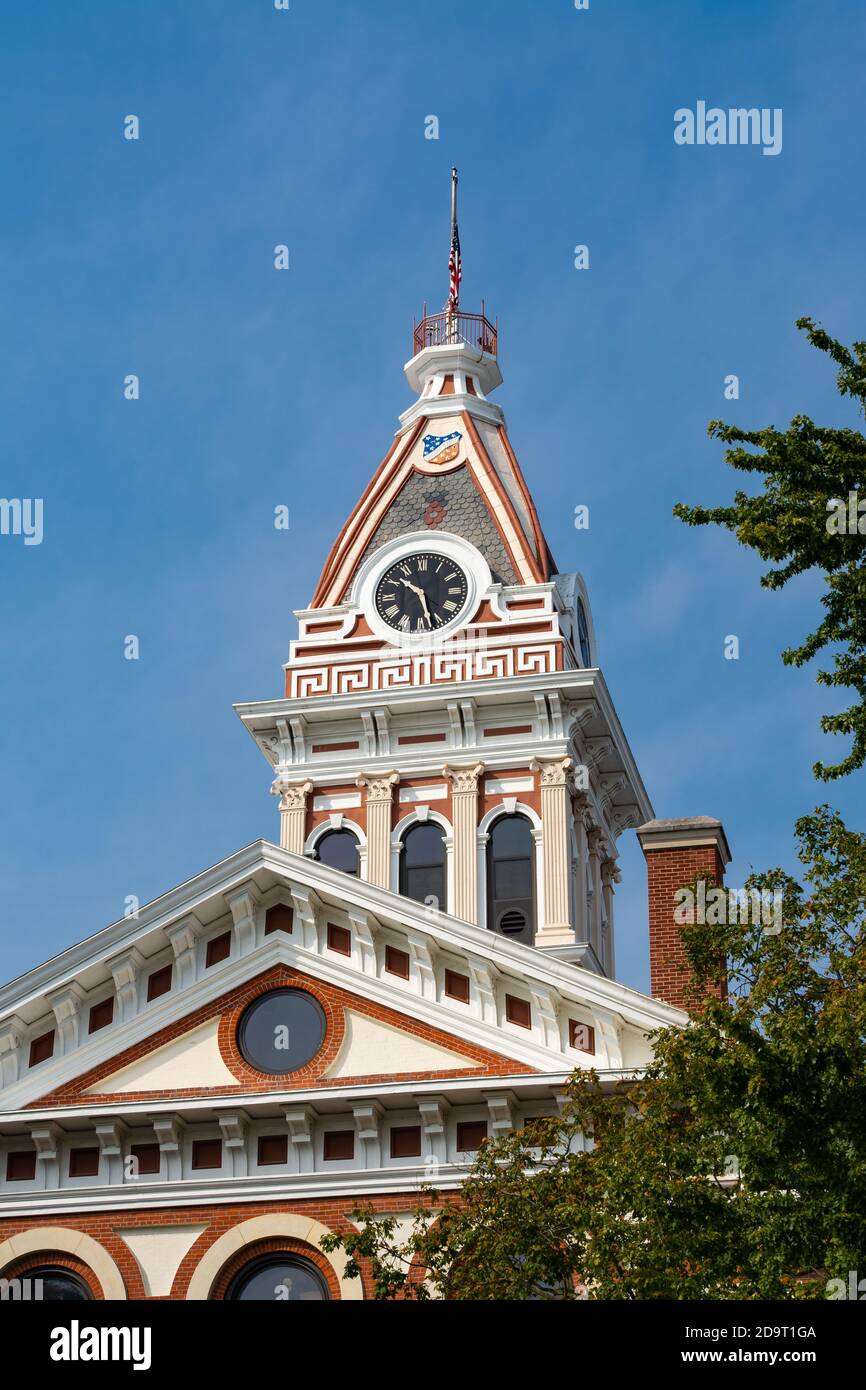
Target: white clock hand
{"x":423,"y":597}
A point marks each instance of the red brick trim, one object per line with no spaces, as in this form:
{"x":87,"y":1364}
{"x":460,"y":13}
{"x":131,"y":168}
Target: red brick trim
{"x":274,"y":1245}
{"x":19,"y":1268}
{"x":334,"y":1000}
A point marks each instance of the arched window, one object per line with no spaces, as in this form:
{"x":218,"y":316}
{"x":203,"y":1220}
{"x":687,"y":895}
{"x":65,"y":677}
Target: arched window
{"x":278,"y":1278}
{"x":339,"y":850}
{"x":510,"y":895}
{"x":583,"y":634}
{"x":422,"y":864}
{"x":59,"y":1285}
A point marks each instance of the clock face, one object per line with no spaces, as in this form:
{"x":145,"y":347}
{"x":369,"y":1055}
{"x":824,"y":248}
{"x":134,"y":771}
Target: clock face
{"x":421,"y":593}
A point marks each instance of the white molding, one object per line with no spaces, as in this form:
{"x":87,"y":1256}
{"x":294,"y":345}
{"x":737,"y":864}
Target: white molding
{"x":471,"y":561}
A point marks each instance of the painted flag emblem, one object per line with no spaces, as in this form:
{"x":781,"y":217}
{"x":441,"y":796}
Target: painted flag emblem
{"x":441,"y":448}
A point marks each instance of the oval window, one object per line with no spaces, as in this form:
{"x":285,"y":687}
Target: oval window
{"x":281,"y":1031}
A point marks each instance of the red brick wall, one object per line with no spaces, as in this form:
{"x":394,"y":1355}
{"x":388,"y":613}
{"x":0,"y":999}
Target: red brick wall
{"x":668,"y":870}
{"x":333,"y":1213}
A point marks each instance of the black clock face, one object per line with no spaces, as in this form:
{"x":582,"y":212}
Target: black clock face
{"x":421,"y":593}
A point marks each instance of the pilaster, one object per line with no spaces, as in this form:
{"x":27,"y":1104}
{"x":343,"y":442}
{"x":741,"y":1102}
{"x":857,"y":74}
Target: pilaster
{"x":378,"y":799}
{"x":464,"y":817}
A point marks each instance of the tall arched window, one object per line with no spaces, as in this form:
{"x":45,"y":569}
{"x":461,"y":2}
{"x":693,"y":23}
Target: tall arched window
{"x":510,"y":885}
{"x":339,"y":850}
{"x":422,"y":864}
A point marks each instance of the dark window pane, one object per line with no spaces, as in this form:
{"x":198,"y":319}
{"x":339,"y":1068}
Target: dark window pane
{"x":278,"y":1279}
{"x":281,"y":1031}
{"x":60,"y":1285}
{"x":424,"y":844}
{"x":511,"y":837}
{"x":512,"y":879}
{"x":421,"y":884}
{"x":422,"y":864}
{"x":339,"y":850}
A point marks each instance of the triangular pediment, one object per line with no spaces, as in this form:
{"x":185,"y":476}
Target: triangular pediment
{"x":451,"y":1012}
{"x":200,"y":1054}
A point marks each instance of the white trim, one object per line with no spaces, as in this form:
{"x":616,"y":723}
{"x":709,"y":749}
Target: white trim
{"x":70,"y":1242}
{"x":337,"y":821}
{"x":471,"y":561}
{"x":266,"y":1227}
{"x":514,"y":808}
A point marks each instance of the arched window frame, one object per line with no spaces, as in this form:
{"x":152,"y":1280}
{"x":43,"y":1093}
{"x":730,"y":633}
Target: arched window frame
{"x":423,"y":815}
{"x":339,"y":822}
{"x":511,"y":807}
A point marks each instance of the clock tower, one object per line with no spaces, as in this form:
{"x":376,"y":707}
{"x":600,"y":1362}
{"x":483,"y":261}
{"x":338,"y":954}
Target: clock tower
{"x":195,"y":1097}
{"x":445,"y":730}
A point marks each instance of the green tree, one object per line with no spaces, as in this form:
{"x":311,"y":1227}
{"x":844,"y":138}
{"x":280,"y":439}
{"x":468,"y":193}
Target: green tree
{"x":734,"y":1169}
{"x":808,"y":472}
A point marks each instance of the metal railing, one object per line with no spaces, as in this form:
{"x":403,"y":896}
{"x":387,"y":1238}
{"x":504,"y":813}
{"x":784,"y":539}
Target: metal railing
{"x":453,"y":326}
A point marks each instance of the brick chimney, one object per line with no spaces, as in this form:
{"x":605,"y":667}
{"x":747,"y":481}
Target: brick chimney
{"x":677,"y":851}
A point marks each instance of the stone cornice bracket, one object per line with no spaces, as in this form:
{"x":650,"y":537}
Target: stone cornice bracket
{"x":110,"y":1134}
{"x":464,"y":780}
{"x":368,"y":1119}
{"x":12,"y":1031}
{"x":300,"y":1120}
{"x":501,"y":1106}
{"x":544,"y":1002}
{"x":125,"y":970}
{"x":183,"y":936}
{"x":243,"y":903}
{"x":581,"y":715}
{"x":365,"y":928}
{"x":597,"y":749}
{"x":484,"y":976}
{"x":46,"y":1139}
{"x":307,"y":907}
{"x":423,"y":951}
{"x":169,"y":1131}
{"x":66,"y":1003}
{"x":433,"y":1111}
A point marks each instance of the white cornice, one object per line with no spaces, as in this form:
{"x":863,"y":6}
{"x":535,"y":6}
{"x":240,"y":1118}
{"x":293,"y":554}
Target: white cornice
{"x":205,"y":896}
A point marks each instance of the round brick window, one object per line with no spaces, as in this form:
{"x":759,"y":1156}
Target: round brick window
{"x":281,"y":1031}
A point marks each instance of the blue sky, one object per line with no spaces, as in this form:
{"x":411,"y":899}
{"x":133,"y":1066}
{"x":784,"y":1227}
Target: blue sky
{"x":258,"y":388}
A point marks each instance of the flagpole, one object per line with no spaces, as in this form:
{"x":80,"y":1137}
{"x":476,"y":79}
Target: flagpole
{"x":450,"y":331}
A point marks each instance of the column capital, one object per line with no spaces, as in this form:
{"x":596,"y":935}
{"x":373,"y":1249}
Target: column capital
{"x":379,"y":784}
{"x":464,"y":780}
{"x":293,"y":795}
{"x":557,"y":773}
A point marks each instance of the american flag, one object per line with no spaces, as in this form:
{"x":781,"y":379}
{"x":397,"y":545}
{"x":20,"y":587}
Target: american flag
{"x":455,"y":269}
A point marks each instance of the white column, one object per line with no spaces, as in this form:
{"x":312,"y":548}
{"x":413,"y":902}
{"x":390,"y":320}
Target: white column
{"x":293,"y":813}
{"x":609,"y":876}
{"x":555,"y":777}
{"x":379,"y":793}
{"x":464,"y":817}
{"x":594,"y":840}
{"x":581,"y":907}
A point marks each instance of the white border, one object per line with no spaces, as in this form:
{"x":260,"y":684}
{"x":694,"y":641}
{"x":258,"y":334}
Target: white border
{"x":479,"y":580}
